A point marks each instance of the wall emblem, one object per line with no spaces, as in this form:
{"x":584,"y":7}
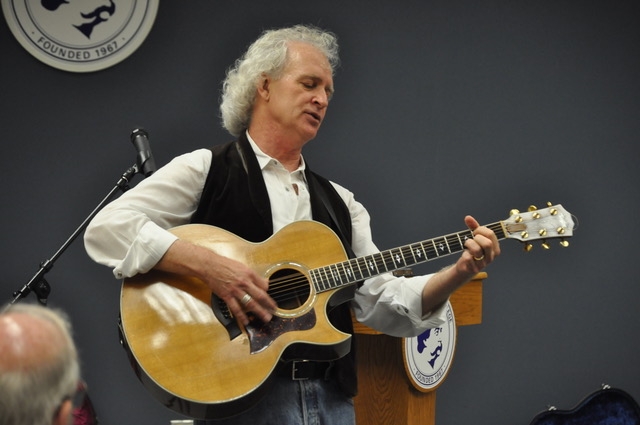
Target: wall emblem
{"x":428,"y":357}
{"x":80,"y":35}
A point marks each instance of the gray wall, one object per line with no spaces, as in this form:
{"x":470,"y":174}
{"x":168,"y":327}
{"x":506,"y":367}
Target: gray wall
{"x":442,"y":109}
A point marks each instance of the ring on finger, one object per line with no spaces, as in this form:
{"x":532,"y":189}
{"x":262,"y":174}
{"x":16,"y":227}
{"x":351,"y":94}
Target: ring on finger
{"x":245,"y":299}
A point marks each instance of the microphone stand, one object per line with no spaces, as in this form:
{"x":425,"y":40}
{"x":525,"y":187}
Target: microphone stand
{"x":38,"y":284}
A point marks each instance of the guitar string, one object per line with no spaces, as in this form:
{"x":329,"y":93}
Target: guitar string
{"x":381,"y":262}
{"x":280,"y":288}
{"x":380,"y":259}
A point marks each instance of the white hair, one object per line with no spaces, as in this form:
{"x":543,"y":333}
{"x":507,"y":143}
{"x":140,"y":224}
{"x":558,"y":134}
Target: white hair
{"x":31,"y":396}
{"x":266,"y":56}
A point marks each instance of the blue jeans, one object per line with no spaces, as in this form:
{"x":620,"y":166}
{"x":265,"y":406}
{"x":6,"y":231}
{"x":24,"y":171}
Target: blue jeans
{"x":289,"y":402}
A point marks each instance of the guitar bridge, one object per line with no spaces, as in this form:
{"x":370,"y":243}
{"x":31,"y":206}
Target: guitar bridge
{"x":224,"y":316}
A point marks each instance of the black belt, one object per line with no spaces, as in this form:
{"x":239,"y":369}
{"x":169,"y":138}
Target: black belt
{"x":301,"y":370}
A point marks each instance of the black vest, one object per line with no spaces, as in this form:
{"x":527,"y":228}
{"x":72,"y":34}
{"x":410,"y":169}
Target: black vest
{"x":235,"y":198}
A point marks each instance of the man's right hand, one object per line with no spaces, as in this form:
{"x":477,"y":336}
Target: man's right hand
{"x":239,"y":286}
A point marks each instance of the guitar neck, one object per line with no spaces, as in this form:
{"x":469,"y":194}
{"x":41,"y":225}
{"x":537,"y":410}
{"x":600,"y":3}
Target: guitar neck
{"x":357,"y":269}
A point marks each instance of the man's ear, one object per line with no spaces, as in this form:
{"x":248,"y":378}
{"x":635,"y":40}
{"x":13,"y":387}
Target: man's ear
{"x":263,"y":86}
{"x":64,"y":416}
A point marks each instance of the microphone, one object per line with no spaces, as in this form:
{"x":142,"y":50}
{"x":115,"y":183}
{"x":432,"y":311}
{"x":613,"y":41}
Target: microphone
{"x":144,"y":160}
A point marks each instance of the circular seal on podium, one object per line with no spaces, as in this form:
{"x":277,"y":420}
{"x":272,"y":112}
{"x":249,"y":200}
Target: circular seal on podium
{"x":428,"y":356}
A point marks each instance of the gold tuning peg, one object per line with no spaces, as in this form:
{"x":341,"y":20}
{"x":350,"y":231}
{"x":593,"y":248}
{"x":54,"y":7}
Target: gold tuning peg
{"x":514,"y":212}
{"x":564,"y":243}
{"x":528,"y":246}
{"x":545,"y":245}
{"x":532,"y":208}
{"x":552,"y":211}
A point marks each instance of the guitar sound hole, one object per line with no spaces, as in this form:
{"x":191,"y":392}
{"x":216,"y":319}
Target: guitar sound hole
{"x":289,"y":288}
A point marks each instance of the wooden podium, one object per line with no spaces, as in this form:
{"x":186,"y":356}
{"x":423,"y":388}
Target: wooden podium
{"x":386,"y":395}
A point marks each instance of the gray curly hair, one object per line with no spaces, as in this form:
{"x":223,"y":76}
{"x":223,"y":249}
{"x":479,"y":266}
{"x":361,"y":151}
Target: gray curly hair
{"x":267,"y":55}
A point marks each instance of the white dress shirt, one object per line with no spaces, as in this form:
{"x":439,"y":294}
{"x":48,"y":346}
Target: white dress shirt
{"x":130,"y":234}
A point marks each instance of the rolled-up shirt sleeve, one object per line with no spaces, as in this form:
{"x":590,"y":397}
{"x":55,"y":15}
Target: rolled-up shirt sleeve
{"x":386,"y":303}
{"x":131,"y":233}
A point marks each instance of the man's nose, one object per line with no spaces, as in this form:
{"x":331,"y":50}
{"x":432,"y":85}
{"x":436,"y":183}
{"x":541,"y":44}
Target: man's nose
{"x":321,"y":98}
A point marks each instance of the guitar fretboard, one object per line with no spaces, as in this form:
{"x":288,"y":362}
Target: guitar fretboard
{"x":357,"y":269}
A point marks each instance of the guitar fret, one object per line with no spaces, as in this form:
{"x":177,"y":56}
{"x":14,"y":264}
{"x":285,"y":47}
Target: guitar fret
{"x":460,"y":244}
{"x":348,"y":271}
{"x":361,"y":267}
{"x":359,"y":270}
{"x":319,"y":281}
{"x":346,"y":277}
{"x":446,"y":243}
{"x":330,"y":278}
{"x":325,"y":278}
{"x":466,"y":236}
{"x":378,"y":262}
{"x":453,"y":243}
{"x":316,"y":279}
{"x":381,"y":261}
{"x":357,"y":261}
{"x":370,"y":264}
{"x":420,"y":251}
{"x":440,"y":246}
{"x":398,"y":258}
{"x":417,"y":251}
{"x":405,"y":251}
{"x":386,"y":260}
{"x":336,"y":275}
{"x":342,"y":275}
{"x":435,"y":248}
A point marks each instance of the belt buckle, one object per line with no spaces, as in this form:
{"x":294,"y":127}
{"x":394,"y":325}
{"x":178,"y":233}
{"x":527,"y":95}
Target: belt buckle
{"x":294,"y":369}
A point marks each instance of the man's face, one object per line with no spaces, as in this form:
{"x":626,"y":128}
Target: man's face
{"x":298,"y":100}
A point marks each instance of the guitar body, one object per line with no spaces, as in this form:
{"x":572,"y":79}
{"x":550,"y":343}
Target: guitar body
{"x":190,"y":360}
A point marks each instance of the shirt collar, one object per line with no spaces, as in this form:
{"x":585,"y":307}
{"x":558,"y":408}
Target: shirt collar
{"x":264,"y":160}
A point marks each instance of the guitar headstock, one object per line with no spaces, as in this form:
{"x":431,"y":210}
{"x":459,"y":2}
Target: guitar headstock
{"x":552,"y":222}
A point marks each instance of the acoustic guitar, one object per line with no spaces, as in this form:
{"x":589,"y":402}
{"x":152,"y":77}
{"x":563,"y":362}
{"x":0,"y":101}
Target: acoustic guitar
{"x":194,"y":357}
